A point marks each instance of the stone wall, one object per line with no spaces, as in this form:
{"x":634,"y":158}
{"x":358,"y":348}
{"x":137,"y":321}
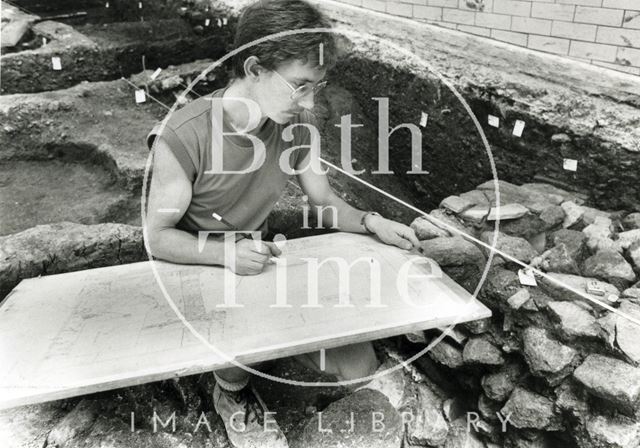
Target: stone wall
{"x":561,"y":362}
{"x":599,"y":32}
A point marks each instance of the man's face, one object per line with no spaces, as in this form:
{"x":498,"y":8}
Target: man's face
{"x":274,"y":95}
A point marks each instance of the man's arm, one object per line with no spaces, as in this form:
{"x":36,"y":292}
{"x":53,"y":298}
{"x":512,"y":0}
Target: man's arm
{"x":317,"y":188}
{"x":171,"y":189}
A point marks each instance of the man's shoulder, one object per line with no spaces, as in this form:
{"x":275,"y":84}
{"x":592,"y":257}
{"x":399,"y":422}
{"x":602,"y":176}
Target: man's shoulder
{"x":195,"y":112}
{"x":185,"y":124}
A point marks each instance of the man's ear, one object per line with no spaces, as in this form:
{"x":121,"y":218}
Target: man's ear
{"x":252,"y":68}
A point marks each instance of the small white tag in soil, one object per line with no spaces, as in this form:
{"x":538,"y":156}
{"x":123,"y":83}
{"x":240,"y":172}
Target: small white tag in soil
{"x":140,"y":96}
{"x":527,"y":278}
{"x":106,"y":5}
{"x":518,"y":128}
{"x":219,"y":23}
{"x":225,"y":20}
{"x":55,"y":62}
{"x":423,"y":119}
{"x":207,"y":22}
{"x":494,"y":121}
{"x":570,"y":165}
{"x":155,"y":74}
{"x":139,"y":5}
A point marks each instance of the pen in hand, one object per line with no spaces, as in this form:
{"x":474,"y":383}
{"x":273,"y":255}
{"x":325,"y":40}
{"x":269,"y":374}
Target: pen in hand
{"x":219,"y":218}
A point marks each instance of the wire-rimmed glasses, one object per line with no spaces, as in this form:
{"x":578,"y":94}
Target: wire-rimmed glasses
{"x":304,"y":89}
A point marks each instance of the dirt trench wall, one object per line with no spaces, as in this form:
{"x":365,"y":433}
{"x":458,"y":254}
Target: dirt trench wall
{"x":571,"y":110}
{"x":97,"y":52}
{"x":453,"y":151}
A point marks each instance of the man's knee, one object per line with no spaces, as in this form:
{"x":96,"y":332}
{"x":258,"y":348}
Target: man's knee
{"x":355,"y":361}
{"x":232,"y":374}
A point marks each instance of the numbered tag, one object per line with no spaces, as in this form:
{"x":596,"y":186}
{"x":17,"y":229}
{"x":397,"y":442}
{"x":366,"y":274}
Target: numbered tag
{"x":141,"y":97}
{"x":494,"y":121}
{"x":139,"y":5}
{"x":527,"y":278}
{"x":424,"y":119}
{"x":106,"y":5}
{"x":44,"y":41}
{"x":155,"y":74}
{"x":207,"y":22}
{"x":570,"y":164}
{"x":55,"y":62}
{"x":225,"y":20}
{"x":593,"y":287}
{"x":219,"y":23}
{"x":518,"y":128}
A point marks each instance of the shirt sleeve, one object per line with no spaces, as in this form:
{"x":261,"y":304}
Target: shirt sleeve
{"x":184,"y":149}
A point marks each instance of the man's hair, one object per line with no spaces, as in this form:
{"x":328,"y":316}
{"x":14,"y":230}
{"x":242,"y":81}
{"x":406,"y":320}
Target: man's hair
{"x":266,"y":17}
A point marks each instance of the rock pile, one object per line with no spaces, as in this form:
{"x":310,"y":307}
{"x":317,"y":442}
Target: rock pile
{"x":553,"y":366}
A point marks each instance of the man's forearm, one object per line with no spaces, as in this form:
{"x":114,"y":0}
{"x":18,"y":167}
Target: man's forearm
{"x":348,"y":217}
{"x":351,"y":219}
{"x":178,"y":246}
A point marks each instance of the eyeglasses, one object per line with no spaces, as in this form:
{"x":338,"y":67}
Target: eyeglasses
{"x":304,"y":89}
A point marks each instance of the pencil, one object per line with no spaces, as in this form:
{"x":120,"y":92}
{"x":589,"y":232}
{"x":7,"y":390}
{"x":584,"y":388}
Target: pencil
{"x":234,"y":228}
{"x":223,"y":221}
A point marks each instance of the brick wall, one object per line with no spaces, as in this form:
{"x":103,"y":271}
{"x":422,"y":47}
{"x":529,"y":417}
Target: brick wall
{"x":601,"y":32}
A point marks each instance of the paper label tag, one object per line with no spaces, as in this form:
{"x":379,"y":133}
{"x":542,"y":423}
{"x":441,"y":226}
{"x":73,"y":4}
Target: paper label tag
{"x":155,"y":74}
{"x":527,"y":278}
{"x":106,"y":5}
{"x":140,"y":96}
{"x":593,"y":287}
{"x":494,"y":121}
{"x":518,"y":128}
{"x":570,"y":165}
{"x":225,"y":20}
{"x":219,"y":22}
{"x":207,"y":22}
{"x":424,"y":119}
{"x":55,"y":62}
{"x":139,"y":5}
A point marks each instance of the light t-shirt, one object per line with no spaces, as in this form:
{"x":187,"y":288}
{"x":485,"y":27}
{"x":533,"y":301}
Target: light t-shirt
{"x":244,"y":199}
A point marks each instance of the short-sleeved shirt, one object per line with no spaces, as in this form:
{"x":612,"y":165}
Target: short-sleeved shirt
{"x":244,"y":200}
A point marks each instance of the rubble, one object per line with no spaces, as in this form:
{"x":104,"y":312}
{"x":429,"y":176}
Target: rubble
{"x":480,"y":350}
{"x":573,"y":320}
{"x":530,"y":410}
{"x":613,"y":380}
{"x":363,"y":418}
{"x":611,"y":267}
{"x":546,"y":357}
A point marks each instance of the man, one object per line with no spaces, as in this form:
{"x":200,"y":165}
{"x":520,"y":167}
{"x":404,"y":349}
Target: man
{"x":282,"y":77}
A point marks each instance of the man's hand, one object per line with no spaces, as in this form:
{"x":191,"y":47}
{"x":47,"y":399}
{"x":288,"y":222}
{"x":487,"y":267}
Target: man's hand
{"x":392,"y":232}
{"x":252,"y":256}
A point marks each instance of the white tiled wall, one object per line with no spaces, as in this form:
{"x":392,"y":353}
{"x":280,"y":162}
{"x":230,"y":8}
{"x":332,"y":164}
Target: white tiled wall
{"x":603,"y":32}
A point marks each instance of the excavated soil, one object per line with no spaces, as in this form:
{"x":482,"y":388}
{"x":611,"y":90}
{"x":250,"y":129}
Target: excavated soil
{"x":44,"y":192}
